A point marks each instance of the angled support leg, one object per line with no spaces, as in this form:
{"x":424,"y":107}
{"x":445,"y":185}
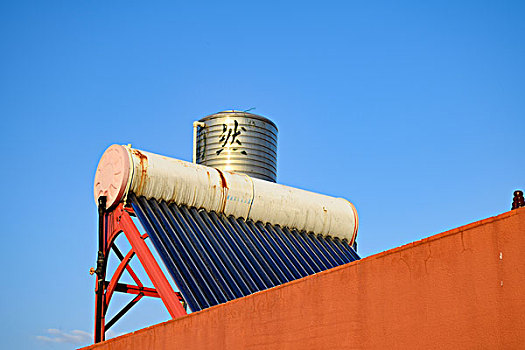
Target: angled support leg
{"x":155,"y":274}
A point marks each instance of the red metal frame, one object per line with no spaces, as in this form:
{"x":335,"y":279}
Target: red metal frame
{"x":113,"y":223}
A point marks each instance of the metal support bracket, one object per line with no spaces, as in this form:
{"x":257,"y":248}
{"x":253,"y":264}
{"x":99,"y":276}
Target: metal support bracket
{"x":111,"y":224}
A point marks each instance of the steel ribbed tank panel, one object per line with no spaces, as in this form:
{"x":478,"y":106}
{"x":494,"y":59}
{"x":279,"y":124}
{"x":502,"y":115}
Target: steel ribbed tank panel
{"x":239,"y":142}
{"x":213,"y":258}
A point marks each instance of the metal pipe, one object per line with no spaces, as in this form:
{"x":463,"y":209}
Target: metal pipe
{"x":100,"y":271}
{"x":196,"y":125}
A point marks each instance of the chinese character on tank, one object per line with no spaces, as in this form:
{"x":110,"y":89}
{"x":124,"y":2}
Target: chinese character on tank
{"x":230,"y":136}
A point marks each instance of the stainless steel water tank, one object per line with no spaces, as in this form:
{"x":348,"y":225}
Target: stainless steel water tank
{"x":238,"y":141}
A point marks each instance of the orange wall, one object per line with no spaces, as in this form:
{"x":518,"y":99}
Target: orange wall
{"x":464,"y":288}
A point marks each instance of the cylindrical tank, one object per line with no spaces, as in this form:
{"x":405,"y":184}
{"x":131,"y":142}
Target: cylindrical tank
{"x":240,"y":142}
{"x":123,"y":170}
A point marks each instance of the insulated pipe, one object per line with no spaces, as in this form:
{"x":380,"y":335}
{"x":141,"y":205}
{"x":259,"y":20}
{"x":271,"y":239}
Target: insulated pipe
{"x":123,"y":169}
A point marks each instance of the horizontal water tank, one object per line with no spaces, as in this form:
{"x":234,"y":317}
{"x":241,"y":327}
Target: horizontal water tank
{"x":240,"y":142}
{"x":123,"y":170}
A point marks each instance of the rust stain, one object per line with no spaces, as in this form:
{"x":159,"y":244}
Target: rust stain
{"x":224,"y":190}
{"x":223,"y":179}
{"x":143,"y":167}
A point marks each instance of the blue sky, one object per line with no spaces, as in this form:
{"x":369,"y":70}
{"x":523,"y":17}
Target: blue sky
{"x":412,"y":110}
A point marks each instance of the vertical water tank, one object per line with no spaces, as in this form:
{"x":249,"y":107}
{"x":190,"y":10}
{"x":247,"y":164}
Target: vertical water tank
{"x":238,"y":141}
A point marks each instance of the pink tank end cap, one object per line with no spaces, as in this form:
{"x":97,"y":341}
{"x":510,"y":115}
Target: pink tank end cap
{"x":112,"y":175}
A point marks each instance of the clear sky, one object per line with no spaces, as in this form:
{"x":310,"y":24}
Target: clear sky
{"x":413,"y":110}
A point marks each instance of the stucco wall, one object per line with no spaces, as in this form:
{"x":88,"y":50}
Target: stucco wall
{"x":463,"y":288}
